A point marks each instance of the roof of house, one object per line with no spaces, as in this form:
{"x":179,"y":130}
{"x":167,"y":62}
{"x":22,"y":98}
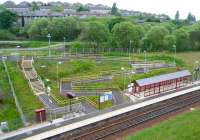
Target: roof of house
{"x":164,"y":77}
{"x":9,"y":4}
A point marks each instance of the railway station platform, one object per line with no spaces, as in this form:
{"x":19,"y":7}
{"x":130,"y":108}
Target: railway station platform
{"x":142,"y":97}
{"x":62,"y":127}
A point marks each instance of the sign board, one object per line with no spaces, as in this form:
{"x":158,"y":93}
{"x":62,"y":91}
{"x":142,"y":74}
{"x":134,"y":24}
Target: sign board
{"x":102,"y":99}
{"x":106,"y":97}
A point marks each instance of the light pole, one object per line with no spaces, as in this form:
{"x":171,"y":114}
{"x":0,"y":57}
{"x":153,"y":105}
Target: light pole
{"x":145,"y":60}
{"x":196,"y":70}
{"x":49,"y":37}
{"x":64,"y":44}
{"x":123,"y":69}
{"x":174,"y":46}
{"x":58,"y":63}
{"x":130,"y":43}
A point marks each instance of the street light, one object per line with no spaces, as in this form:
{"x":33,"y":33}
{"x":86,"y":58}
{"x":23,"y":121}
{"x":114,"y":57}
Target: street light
{"x":58,"y":63}
{"x":64,"y":44}
{"x":196,"y":70}
{"x":145,"y":59}
{"x":174,"y":46}
{"x":123,"y":69}
{"x":49,"y":37}
{"x":130,"y":43}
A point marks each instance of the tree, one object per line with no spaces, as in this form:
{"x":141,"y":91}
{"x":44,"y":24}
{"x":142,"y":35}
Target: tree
{"x":177,"y":16}
{"x":113,"y":21}
{"x":156,"y":37}
{"x":38,"y":28}
{"x":114,"y":10}
{"x":125,"y":31}
{"x":7,"y":18}
{"x":34,"y":6}
{"x":191,"y":18}
{"x":169,"y":41}
{"x":58,"y":27}
{"x":95,"y":33}
{"x":182,"y":40}
{"x":68,"y":27}
{"x":82,"y":8}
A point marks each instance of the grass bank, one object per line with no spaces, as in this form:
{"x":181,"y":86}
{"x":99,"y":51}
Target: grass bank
{"x":8,"y":111}
{"x":28,"y":101}
{"x":184,"y":127}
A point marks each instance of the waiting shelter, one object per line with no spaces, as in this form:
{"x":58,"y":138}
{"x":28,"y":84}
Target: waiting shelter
{"x":161,"y":83}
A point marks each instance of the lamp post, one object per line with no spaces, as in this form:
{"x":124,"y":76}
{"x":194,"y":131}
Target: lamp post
{"x":174,"y":46}
{"x":49,"y":37}
{"x":145,"y":60}
{"x":58,"y":63}
{"x":64,"y":44}
{"x":48,"y":94}
{"x":196,"y":71}
{"x":130,"y":43}
{"x":123,"y":69}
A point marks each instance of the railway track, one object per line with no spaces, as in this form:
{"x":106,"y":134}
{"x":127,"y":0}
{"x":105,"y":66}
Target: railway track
{"x":115,"y":125}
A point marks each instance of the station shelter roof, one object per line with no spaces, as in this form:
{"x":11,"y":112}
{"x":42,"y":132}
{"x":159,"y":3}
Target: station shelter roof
{"x":161,"y":78}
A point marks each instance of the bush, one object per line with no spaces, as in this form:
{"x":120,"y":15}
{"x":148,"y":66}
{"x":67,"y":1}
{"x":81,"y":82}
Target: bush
{"x":6,"y":35}
{"x":82,"y":65}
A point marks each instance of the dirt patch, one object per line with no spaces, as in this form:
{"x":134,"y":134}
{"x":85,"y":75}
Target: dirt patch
{"x":122,"y":135}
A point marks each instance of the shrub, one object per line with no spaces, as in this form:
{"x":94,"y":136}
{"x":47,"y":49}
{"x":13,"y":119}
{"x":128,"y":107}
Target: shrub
{"x":6,"y":35}
{"x":82,"y":65}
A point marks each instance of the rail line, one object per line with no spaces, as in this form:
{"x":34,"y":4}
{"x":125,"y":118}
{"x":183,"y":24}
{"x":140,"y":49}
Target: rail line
{"x":134,"y":118}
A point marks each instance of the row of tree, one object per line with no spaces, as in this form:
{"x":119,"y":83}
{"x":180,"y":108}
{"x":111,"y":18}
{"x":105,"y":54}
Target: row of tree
{"x":119,"y":33}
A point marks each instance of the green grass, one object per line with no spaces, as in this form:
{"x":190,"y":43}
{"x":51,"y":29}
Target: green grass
{"x":8,"y":111}
{"x":34,"y":44}
{"x":28,"y":101}
{"x":189,"y":58}
{"x":167,"y":58}
{"x":76,"y":70}
{"x":184,"y":127}
{"x":27,"y":44}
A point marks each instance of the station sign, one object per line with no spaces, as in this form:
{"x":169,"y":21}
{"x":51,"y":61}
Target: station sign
{"x":107,"y":96}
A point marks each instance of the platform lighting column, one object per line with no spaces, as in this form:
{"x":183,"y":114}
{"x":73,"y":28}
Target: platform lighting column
{"x":99,"y":102}
{"x":49,"y":37}
{"x":196,"y":70}
{"x":58,"y":63}
{"x":174,"y":46}
{"x":123,"y":69}
{"x":145,"y":59}
{"x":130,"y":43}
{"x":64,"y":45}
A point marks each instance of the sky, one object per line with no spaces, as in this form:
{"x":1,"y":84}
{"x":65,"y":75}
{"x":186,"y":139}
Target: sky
{"x":168,"y":7}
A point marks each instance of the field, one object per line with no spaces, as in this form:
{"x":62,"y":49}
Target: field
{"x":184,"y":127}
{"x":189,"y":58}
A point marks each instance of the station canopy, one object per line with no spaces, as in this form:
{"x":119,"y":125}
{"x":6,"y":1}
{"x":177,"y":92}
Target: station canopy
{"x":164,"y":77}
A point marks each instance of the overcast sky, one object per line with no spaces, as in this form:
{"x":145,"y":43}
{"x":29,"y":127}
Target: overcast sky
{"x":154,"y":6}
